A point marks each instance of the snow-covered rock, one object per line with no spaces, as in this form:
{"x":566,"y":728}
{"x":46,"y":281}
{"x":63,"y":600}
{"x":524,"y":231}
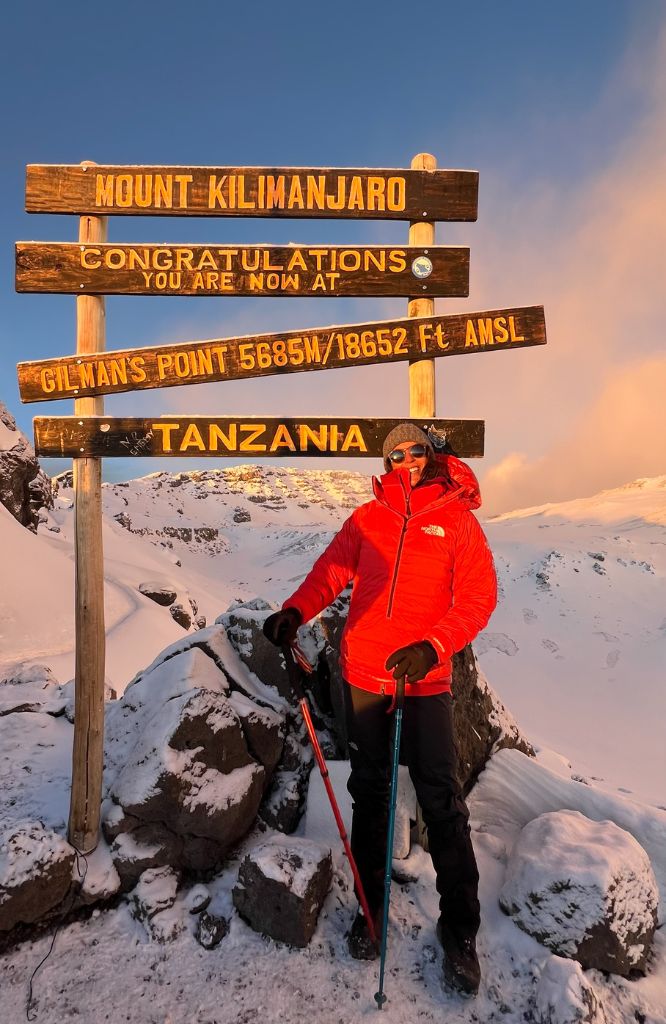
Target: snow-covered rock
{"x":153,"y":903}
{"x":585,"y":889}
{"x":35,"y":873}
{"x":190,"y":770}
{"x":160,"y":593}
{"x":565,"y":996}
{"x":282,"y":884}
{"x":211,"y":929}
{"x":24,"y":488}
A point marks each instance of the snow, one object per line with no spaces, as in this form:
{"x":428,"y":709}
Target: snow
{"x":575,"y":653}
{"x":566,"y":874}
{"x":289,"y":861}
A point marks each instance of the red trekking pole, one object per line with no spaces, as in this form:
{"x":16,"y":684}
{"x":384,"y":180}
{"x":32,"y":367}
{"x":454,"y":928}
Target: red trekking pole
{"x":294,"y":674}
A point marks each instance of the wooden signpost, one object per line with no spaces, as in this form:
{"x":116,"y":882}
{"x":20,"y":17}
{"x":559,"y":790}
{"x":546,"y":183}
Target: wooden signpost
{"x":255,"y":436}
{"x":262,"y":355}
{"x":317,"y":271}
{"x":94,"y":267}
{"x":339,"y":192}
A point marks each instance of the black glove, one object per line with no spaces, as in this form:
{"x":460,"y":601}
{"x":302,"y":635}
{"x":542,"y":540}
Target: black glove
{"x":280,"y":627}
{"x":413,"y":661}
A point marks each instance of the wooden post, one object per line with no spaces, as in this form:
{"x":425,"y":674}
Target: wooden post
{"x":88,"y":752}
{"x":422,"y":371}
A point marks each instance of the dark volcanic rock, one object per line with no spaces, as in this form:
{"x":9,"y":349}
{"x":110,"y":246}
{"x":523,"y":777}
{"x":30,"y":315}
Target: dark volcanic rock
{"x":282,"y":884}
{"x":35,"y":873}
{"x":593,"y":898}
{"x":24,"y":488}
{"x":160,"y":593}
{"x":482,"y":723}
{"x":179,"y":615}
{"x":211,"y":929}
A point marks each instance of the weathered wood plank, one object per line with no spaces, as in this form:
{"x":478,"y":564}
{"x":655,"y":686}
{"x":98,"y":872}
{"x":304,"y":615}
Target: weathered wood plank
{"x":334,"y":192}
{"x":229,"y":437}
{"x":317,"y":271}
{"x":200,"y":362}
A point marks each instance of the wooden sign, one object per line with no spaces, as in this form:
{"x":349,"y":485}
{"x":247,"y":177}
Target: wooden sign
{"x":318,"y":271}
{"x":199,"y":362}
{"x":225,"y":436}
{"x":338,"y":192}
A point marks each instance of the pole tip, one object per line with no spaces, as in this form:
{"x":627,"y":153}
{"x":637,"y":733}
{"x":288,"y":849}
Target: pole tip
{"x":380,"y":999}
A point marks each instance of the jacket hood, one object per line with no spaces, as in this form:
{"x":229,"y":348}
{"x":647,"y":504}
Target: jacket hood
{"x":456,"y":483}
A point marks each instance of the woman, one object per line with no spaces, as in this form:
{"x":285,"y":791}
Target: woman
{"x":423,"y":586}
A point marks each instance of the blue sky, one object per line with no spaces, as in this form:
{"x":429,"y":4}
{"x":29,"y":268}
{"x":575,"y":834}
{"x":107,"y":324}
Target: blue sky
{"x":557,"y":106}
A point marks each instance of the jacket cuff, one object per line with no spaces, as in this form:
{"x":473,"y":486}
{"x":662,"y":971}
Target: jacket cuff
{"x":443,"y":654}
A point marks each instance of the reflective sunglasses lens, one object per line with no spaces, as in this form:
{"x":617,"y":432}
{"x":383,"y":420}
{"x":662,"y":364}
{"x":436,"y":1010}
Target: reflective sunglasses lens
{"x":417,"y":451}
{"x":397,"y":455}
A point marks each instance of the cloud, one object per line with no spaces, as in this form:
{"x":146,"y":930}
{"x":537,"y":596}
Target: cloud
{"x":619,"y":438}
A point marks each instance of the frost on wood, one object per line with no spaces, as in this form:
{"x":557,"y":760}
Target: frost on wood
{"x":585,"y":889}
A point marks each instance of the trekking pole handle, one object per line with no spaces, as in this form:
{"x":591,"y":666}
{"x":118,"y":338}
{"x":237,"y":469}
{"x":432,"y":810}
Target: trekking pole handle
{"x":400,"y":692}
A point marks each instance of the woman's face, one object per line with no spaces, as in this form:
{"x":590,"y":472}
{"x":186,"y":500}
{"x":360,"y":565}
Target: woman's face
{"x":411,"y":465}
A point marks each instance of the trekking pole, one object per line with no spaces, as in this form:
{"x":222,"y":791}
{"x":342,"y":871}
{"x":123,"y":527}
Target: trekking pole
{"x":398,"y":704}
{"x":294,"y":674}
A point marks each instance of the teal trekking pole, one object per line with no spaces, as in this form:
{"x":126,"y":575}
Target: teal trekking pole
{"x":398,"y":704}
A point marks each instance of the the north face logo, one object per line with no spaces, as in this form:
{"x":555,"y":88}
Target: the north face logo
{"x":434,"y":530}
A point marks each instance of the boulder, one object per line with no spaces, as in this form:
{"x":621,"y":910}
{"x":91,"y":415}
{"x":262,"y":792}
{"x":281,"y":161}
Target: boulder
{"x":35,"y":873}
{"x":160,"y":593}
{"x":281,"y":888}
{"x":179,"y":615}
{"x":191,"y":771}
{"x":263,"y":728}
{"x":482,"y":723}
{"x":565,"y":996}
{"x":243,"y":623}
{"x":24,"y":488}
{"x":148,"y":846}
{"x":30,"y":687}
{"x":592,"y":898}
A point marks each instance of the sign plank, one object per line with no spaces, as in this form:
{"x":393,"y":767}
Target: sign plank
{"x":230,"y":437}
{"x":199,"y":362}
{"x":334,"y":192}
{"x":317,"y":271}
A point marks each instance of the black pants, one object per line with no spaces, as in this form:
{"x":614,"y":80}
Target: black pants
{"x":428,"y":749}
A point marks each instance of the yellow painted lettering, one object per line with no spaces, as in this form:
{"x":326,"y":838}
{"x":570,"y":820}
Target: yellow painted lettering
{"x":248,"y":443}
{"x":316,"y":189}
{"x":354,"y":439}
{"x":136,"y":367}
{"x":356,"y":200}
{"x":512,"y":329}
{"x":296,"y":194}
{"x":470,"y":335}
{"x":275,"y":192}
{"x":118,"y":371}
{"x":307,"y":435}
{"x":376,"y":193}
{"x":499,"y":327}
{"x":242,"y":202}
{"x":486,"y":331}
{"x":397,"y":259}
{"x":192,"y":439}
{"x":102,"y":374}
{"x":282,"y":439}
{"x":91,"y":259}
{"x":183,"y":182}
{"x":216,"y":434}
{"x":215,"y":197}
{"x":167,"y":430}
{"x":47,"y":382}
{"x":297,"y":259}
{"x":143,"y":190}
{"x":164,"y":190}
{"x":395,"y":194}
{"x":104,"y":190}
{"x":164,"y":364}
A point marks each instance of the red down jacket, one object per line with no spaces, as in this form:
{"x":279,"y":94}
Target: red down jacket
{"x":421,"y":570}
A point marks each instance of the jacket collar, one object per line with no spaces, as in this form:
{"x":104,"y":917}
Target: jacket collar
{"x":457,"y":483}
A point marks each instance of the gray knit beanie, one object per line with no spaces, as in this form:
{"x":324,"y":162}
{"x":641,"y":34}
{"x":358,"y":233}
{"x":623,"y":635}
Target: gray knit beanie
{"x":403,"y":432}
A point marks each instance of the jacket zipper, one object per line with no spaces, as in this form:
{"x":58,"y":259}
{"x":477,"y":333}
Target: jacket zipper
{"x":397,"y":561}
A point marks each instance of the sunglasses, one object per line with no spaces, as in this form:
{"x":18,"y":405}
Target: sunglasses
{"x":417,"y":451}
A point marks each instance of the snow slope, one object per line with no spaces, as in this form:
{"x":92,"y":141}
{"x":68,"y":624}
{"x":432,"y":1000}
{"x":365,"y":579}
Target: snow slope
{"x":576,"y":649}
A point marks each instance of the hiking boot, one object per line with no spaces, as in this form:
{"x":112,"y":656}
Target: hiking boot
{"x":359,"y":941}
{"x":461,"y":964}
